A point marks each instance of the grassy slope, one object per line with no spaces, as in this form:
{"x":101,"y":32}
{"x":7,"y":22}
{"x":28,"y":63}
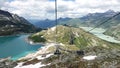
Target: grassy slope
{"x":81,"y":38}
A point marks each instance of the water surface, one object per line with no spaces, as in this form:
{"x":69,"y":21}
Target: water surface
{"x":99,"y":33}
{"x":16,"y":47}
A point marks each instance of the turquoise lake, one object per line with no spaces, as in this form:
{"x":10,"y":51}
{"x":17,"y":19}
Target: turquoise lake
{"x":16,"y":47}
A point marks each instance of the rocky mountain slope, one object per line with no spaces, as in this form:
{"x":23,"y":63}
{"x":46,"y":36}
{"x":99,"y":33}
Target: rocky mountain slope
{"x":114,"y":31}
{"x":13,"y":24}
{"x":93,"y":19}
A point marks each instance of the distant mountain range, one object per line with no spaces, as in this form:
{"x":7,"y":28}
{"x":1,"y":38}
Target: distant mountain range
{"x":97,"y":18}
{"x":48,"y":23}
{"x":13,"y":24}
{"x":91,"y":19}
{"x":45,"y":23}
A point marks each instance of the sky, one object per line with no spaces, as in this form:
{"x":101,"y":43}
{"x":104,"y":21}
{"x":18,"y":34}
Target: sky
{"x":44,"y":9}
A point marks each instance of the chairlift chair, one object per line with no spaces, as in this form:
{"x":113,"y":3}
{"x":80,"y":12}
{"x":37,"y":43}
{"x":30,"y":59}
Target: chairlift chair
{"x":80,"y":52}
{"x":57,"y":52}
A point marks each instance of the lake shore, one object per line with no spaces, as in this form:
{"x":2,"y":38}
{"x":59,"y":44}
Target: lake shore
{"x":43,"y":50}
{"x":33,"y":43}
{"x":16,"y":34}
{"x":16,"y":46}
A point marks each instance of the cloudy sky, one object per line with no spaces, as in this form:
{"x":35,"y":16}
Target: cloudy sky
{"x":42,"y":9}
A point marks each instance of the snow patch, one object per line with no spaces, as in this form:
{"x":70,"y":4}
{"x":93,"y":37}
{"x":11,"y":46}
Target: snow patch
{"x":37,"y":65}
{"x":91,"y":57}
{"x":31,"y":42}
{"x":40,"y":57}
{"x":42,"y":50}
{"x":53,"y":28}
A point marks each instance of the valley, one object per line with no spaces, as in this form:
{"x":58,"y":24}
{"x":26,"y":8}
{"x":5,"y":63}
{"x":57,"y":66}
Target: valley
{"x":76,"y":46}
{"x":114,"y":32}
{"x":99,"y":32}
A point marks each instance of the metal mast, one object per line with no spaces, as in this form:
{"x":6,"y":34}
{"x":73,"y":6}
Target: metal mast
{"x":56,"y":19}
{"x":57,"y":52}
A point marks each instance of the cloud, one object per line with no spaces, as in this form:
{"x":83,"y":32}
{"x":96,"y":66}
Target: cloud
{"x":68,"y":0}
{"x":2,"y":3}
{"x":42,"y":9}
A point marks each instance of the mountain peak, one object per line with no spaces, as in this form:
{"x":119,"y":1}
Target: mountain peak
{"x":110,"y":11}
{"x":6,"y":13}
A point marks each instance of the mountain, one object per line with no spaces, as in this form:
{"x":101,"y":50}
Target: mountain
{"x":76,"y":22}
{"x":64,"y":34}
{"x":61,"y":21}
{"x":48,"y":23}
{"x":114,"y":31}
{"x":13,"y":24}
{"x":45,"y":23}
{"x":75,"y":45}
{"x":93,"y":19}
{"x":33,"y":21}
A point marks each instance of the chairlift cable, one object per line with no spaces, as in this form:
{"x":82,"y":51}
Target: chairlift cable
{"x":102,"y":24}
{"x":56,"y":16}
{"x":105,"y":21}
{"x":99,"y":25}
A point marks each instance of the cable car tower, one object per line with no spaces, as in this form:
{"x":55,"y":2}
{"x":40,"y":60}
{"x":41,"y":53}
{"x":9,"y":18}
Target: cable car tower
{"x":57,"y":51}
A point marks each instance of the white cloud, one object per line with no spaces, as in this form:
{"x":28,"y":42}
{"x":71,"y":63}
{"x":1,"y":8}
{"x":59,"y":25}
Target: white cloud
{"x":42,"y":9}
{"x":2,"y":3}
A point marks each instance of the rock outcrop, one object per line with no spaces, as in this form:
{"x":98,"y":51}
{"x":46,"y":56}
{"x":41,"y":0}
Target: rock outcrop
{"x":7,"y":63}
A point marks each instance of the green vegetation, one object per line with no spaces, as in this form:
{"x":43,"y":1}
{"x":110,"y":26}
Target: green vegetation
{"x":80,"y":42}
{"x":37,"y":38}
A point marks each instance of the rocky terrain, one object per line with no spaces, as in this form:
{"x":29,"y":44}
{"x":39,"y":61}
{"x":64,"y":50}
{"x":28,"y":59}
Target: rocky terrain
{"x":7,"y":63}
{"x":13,"y":24}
